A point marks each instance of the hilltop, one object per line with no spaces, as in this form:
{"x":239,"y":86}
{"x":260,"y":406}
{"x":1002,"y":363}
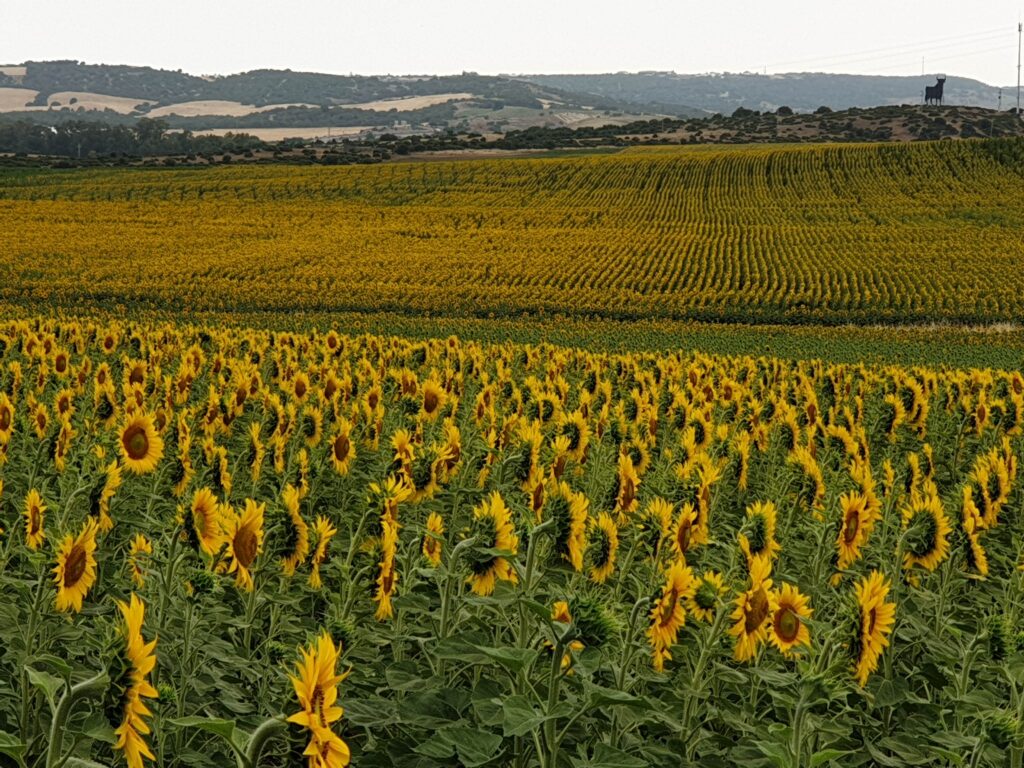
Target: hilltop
{"x":56,"y":91}
{"x":801,"y":91}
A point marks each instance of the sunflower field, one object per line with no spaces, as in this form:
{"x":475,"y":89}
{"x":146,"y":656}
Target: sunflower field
{"x":230,"y":546}
{"x":807,"y":234}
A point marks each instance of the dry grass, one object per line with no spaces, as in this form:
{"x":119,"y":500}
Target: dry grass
{"x":15,"y":99}
{"x":214,"y":107}
{"x":409,"y":103}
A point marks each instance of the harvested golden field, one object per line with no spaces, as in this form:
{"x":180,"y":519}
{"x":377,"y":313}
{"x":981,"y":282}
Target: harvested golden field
{"x":815,"y":234}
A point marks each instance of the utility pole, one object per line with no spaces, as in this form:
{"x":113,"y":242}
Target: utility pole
{"x":1020,"y":26}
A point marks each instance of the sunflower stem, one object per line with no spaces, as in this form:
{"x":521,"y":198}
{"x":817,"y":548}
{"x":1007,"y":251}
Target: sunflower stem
{"x":26,"y":692}
{"x":266,"y":731}
{"x":554,"y":683}
{"x":450,"y":580}
{"x":94,"y":684}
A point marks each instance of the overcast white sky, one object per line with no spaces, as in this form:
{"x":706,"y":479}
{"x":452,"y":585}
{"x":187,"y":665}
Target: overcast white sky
{"x":974,"y":38}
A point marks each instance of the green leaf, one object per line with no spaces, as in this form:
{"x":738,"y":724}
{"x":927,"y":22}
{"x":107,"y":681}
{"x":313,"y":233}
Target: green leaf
{"x":612,"y":697}
{"x":825,"y":755}
{"x":77,"y":762}
{"x":438,"y":746}
{"x":777,"y":753}
{"x":47,"y":683}
{"x":513,"y":659}
{"x":223,"y":728}
{"x":474,"y":747}
{"x":13,"y":748}
{"x":609,"y":757}
{"x":520,"y":716}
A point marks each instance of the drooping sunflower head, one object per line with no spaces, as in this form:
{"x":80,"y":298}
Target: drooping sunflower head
{"x":683,"y":530}
{"x":704,"y":600}
{"x":603,"y":547}
{"x":757,"y":537}
{"x":133,"y":661}
{"x":433,"y":539}
{"x":926,"y":533}
{"x":323,"y":532}
{"x":493,"y":529}
{"x":568,"y":509}
{"x":294,"y":533}
{"x":877,"y":617}
{"x":205,"y":525}
{"x":141,"y":446}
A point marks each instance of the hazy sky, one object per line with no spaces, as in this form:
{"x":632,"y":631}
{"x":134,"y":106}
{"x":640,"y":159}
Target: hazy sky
{"x":975,"y":39}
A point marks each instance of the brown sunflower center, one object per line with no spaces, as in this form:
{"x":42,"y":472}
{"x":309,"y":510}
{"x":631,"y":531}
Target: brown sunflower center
{"x":136,"y":442}
{"x":787,"y":624}
{"x":871,"y":618}
{"x":34,"y":519}
{"x":341,"y":447}
{"x":756,"y":612}
{"x":5,"y":418}
{"x":74,"y":565}
{"x":430,"y":401}
{"x":851,"y":525}
{"x":245,"y":546}
{"x":300,"y":388}
{"x":683,"y":536}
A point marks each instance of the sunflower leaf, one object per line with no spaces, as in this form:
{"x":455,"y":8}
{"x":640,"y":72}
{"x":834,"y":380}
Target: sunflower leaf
{"x":12,"y":748}
{"x":47,"y":683}
{"x":827,"y":755}
{"x":513,"y":659}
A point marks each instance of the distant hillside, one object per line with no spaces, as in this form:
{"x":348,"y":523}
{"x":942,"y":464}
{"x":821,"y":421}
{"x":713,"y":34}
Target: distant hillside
{"x":803,"y":92}
{"x":280,"y":98}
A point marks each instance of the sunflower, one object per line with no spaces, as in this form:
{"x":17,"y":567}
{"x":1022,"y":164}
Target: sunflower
{"x":102,"y":493}
{"x":141,"y":446}
{"x":561,"y":613}
{"x":35,"y":511}
{"x":6,"y":418}
{"x":926,"y":529}
{"x":300,"y":388}
{"x":876,"y":621}
{"x":311,"y":425}
{"x":40,"y":420}
{"x":654,"y":525}
{"x":433,"y":399}
{"x":788,"y":629}
{"x":245,"y":541}
{"x":604,"y":547}
{"x":324,"y":533}
{"x":343,"y":450}
{"x":257,"y":452}
{"x":139,"y":659}
{"x":852,"y":530}
{"x":387,"y":577}
{"x":977,"y":559}
{"x":757,"y":538}
{"x":138,"y":554}
{"x":450,"y":453}
{"x":75,"y":572}
{"x":626,"y":483}
{"x":204,"y":526}
{"x":433,"y":539}
{"x":575,"y":427}
{"x":754,"y":609}
{"x":316,"y":687}
{"x":669,"y":614}
{"x":492,"y":525}
{"x":296,"y":544}
{"x":702,"y":601}
{"x":682,"y":532}
{"x":568,"y":509}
